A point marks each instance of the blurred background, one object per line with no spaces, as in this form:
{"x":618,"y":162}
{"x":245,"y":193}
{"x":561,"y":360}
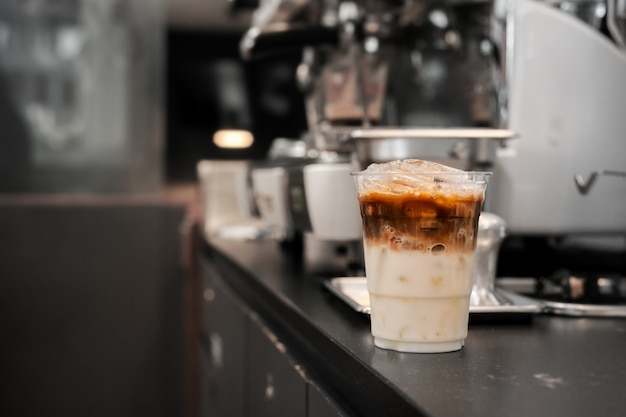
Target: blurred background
{"x":125,"y":96}
{"x":105,"y":108}
{"x":209,"y":87}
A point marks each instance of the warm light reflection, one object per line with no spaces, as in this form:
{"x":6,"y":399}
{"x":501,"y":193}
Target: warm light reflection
{"x":233,"y":139}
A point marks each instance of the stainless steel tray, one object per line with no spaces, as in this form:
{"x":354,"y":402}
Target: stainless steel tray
{"x":353,"y":291}
{"x":561,"y":308}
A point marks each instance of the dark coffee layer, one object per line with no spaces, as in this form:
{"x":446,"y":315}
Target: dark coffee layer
{"x":419,"y":222}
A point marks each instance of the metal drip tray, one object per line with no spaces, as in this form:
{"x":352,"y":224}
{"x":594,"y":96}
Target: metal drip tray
{"x":504,"y":304}
{"x":562,"y":299}
{"x":512,"y":299}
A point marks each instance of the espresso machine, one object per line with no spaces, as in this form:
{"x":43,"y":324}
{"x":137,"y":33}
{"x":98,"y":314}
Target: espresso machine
{"x":380,"y":80}
{"x":564,"y":83}
{"x":531,"y":90}
{"x":561,"y":186}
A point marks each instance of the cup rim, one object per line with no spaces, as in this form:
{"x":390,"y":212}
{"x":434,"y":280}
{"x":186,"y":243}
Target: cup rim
{"x":470,"y":175}
{"x":445,"y":173}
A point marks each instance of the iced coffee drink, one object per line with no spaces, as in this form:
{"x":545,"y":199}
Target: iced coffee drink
{"x":420,"y":222}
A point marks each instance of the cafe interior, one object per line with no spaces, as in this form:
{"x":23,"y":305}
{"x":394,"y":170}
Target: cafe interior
{"x":185,"y":229}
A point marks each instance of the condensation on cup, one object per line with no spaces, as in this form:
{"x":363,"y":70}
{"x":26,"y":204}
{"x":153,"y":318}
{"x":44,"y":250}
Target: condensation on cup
{"x":420,"y":223}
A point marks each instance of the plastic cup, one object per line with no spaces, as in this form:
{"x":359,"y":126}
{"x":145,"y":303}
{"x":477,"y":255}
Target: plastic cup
{"x":419,"y":240}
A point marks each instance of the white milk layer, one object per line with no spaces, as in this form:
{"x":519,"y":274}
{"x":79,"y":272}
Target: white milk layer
{"x":418,"y":296}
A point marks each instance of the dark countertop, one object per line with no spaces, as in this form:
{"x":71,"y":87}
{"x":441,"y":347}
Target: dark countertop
{"x":552,"y":366}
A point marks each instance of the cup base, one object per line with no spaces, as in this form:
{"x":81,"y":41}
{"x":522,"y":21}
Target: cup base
{"x":419,"y":347}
